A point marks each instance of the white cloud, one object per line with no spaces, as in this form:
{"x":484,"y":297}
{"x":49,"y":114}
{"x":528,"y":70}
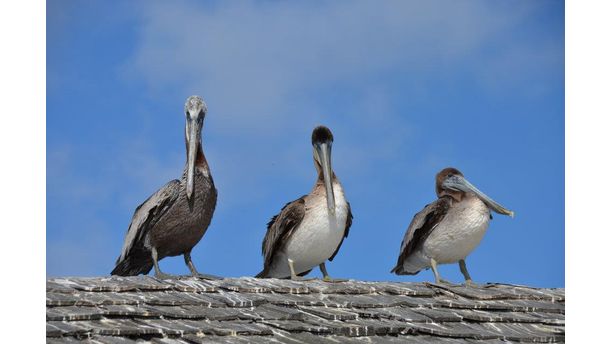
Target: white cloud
{"x":260,"y":64}
{"x":270,"y":72}
{"x":274,"y":70}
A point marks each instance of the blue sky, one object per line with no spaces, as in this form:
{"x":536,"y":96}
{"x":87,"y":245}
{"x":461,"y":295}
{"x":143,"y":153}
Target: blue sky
{"x":407,"y":88}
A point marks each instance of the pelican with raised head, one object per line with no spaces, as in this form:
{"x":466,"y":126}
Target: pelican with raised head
{"x":174,"y":219}
{"x":311,"y":229}
{"x":449,"y":229}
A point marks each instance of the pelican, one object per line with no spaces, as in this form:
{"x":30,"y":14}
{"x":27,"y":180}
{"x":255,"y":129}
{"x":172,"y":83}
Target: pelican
{"x":174,"y":219}
{"x":311,"y":229}
{"x":449,"y":229}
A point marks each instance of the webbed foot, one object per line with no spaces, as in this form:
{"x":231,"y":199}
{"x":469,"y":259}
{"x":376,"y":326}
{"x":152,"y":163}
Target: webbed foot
{"x":164,"y":276}
{"x":443,"y":281}
{"x":207,"y":276}
{"x":471,"y":284}
{"x":327,"y":278}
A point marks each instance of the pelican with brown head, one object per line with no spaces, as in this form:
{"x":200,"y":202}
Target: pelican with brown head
{"x":449,"y":229}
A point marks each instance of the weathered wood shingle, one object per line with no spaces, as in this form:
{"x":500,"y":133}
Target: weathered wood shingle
{"x":249,"y":310}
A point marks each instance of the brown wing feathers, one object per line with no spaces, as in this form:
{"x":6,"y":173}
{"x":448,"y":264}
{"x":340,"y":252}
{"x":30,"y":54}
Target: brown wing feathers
{"x":435,"y":212}
{"x":280,"y":229}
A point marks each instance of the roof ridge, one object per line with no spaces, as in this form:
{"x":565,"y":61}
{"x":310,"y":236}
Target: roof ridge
{"x":189,"y":309}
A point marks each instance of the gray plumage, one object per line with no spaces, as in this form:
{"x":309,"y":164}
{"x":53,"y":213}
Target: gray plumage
{"x":174,"y":219}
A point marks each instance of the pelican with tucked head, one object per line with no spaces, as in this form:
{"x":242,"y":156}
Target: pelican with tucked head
{"x":311,"y":229}
{"x":449,"y":229}
{"x":174,"y":219}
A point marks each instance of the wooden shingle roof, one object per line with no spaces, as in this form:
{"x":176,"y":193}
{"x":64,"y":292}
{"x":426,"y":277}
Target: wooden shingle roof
{"x":249,"y":310}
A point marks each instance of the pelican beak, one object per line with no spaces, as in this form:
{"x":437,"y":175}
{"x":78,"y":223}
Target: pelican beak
{"x":192,"y":133}
{"x":324,"y":152}
{"x":459,"y":183}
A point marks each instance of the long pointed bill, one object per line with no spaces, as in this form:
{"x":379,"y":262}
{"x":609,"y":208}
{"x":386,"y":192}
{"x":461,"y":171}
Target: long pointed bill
{"x":461,"y":184}
{"x":324,"y":151}
{"x":192,"y":151}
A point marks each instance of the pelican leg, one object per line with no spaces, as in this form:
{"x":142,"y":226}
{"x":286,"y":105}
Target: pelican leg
{"x":434,"y":268}
{"x":158,"y":273}
{"x":326,"y":277}
{"x":324,"y":272}
{"x":195,"y":272}
{"x":466,"y":274}
{"x":294,"y":276}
